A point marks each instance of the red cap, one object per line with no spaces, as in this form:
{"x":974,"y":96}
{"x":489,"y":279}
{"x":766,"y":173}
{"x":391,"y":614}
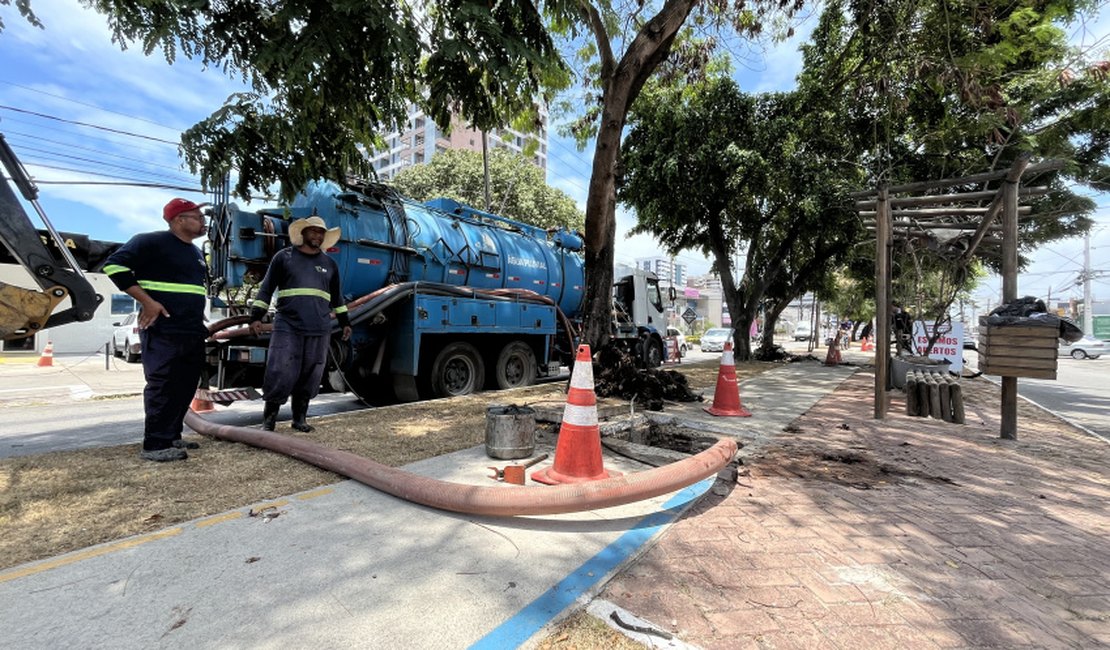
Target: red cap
{"x":177,"y":206}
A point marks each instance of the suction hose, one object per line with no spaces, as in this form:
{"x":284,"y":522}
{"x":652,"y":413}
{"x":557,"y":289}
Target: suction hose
{"x":476,"y":500}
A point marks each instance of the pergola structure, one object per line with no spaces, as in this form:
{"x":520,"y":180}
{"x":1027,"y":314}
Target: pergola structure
{"x":957,"y":224}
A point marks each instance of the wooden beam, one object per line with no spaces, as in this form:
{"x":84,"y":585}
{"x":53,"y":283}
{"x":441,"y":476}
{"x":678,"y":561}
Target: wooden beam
{"x":884,"y":245}
{"x":1047,"y":165}
{"x":1009,"y":293}
{"x":1013,"y":176}
{"x":934,"y":213}
{"x":945,"y":199}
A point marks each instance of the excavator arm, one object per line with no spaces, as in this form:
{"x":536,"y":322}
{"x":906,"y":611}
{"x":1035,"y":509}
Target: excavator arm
{"x":26,"y":311}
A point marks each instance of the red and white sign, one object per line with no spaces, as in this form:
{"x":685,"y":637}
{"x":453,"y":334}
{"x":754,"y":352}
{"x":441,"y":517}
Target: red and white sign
{"x":949,"y":345}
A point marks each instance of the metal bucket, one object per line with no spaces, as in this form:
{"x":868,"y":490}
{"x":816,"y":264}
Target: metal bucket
{"x":510,"y":431}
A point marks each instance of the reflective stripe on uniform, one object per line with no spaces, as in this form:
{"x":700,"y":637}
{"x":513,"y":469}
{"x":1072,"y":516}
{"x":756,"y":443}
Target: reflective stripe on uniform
{"x":112,"y":269}
{"x":316,"y":293}
{"x":341,"y":309}
{"x":173,"y":287}
{"x":260,"y":304}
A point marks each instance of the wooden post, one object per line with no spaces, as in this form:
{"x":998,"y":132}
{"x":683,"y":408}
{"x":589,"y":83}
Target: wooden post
{"x":1008,"y":428}
{"x":883,"y":246}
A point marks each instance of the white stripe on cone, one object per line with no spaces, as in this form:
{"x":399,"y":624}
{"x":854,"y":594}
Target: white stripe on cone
{"x":583,"y":416}
{"x":726,"y":358}
{"x":583,"y":375}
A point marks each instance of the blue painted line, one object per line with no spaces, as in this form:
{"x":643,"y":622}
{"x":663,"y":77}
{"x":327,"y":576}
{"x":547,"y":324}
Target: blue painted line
{"x":540,"y":611}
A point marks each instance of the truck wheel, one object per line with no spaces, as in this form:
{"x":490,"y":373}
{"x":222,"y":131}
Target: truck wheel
{"x":516,"y":366}
{"x":457,"y":370}
{"x":653,"y":353}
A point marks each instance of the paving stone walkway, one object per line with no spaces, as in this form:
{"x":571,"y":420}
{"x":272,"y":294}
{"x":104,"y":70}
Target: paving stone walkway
{"x":847,"y":532}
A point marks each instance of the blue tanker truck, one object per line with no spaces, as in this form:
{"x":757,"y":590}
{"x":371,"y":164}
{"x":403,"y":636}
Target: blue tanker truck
{"x":444,"y":299}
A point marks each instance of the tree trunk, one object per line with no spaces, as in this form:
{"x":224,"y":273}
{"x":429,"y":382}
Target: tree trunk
{"x":622,"y":82}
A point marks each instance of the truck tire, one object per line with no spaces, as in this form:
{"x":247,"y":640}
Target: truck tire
{"x":457,"y":370}
{"x":515,"y":367}
{"x":653,"y":352}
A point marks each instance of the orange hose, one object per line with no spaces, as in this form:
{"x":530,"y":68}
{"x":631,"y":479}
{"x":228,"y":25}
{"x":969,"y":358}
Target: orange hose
{"x":477,"y":500}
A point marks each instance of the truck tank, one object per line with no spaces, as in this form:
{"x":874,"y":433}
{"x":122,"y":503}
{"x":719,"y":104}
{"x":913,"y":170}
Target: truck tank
{"x":387,"y":239}
{"x":441,"y":294}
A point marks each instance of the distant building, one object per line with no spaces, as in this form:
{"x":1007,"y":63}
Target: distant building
{"x":666,"y":269}
{"x":422,"y":139}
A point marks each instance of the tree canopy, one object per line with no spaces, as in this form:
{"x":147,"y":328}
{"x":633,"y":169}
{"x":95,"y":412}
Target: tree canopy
{"x":328,"y":78}
{"x":517,"y":187}
{"x":712,"y":168}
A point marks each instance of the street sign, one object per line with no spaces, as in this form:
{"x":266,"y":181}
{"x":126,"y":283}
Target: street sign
{"x":689,"y":316}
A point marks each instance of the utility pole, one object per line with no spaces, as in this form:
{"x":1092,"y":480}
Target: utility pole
{"x":1088,"y":302}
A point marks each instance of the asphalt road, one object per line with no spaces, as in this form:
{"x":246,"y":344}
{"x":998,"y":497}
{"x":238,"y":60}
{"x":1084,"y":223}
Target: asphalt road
{"x":83,"y":424}
{"x":1079,"y":393}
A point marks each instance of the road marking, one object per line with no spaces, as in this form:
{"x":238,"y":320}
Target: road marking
{"x":541,"y":611}
{"x":315,"y":493}
{"x":218,"y":519}
{"x":88,"y":553}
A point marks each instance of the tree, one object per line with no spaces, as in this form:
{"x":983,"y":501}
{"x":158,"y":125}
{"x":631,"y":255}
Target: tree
{"x":711,"y":168}
{"x":328,"y":78}
{"x":517,"y":187}
{"x":618,"y":79}
{"x":941,"y":90}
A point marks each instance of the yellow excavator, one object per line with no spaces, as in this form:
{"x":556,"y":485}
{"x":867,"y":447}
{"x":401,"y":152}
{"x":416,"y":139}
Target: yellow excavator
{"x":45,"y":256}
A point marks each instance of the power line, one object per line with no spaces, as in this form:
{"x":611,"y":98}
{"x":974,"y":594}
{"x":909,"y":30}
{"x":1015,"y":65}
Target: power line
{"x":68,"y":158}
{"x":86,"y":124}
{"x":101,"y":152}
{"x":106,"y":110}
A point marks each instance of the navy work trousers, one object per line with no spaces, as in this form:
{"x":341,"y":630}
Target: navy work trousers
{"x":172,"y":365}
{"x":294,"y":365}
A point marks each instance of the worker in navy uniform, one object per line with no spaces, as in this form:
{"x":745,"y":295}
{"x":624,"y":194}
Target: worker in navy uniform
{"x":308,"y":289}
{"x":165,"y":273}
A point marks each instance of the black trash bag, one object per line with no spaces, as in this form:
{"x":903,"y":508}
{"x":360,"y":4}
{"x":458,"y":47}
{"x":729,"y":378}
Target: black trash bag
{"x":1032,"y":311}
{"x":1020,"y":307}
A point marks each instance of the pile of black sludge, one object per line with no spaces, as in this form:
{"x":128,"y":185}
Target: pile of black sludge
{"x":617,"y":374}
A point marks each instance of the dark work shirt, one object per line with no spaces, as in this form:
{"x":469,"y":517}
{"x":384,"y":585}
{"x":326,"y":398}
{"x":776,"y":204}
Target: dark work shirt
{"x":170,"y":270}
{"x":308,"y":289}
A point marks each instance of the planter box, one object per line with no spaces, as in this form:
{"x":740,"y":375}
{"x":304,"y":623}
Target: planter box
{"x":1017,"y":350}
{"x":899,"y":366}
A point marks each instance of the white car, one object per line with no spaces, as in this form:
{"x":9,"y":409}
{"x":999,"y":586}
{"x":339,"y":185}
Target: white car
{"x":680,"y":337}
{"x":802,"y":332}
{"x":125,"y":338}
{"x":1087,"y":347}
{"x":714,"y":340}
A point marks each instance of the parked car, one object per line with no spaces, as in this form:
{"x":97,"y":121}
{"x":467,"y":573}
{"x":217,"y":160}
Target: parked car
{"x":680,"y":337}
{"x":125,"y":338}
{"x":1087,"y":347}
{"x":714,"y":340}
{"x":802,"y":332}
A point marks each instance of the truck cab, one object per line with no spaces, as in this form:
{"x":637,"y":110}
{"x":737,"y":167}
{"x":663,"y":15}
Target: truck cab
{"x":639,"y":317}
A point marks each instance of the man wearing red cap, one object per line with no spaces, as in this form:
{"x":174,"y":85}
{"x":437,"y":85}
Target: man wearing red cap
{"x":165,"y":273}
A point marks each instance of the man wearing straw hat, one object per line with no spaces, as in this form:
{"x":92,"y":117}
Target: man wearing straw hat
{"x":307,"y":285}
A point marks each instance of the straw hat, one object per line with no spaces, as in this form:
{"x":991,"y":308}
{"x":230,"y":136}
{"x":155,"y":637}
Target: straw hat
{"x":330,"y":237}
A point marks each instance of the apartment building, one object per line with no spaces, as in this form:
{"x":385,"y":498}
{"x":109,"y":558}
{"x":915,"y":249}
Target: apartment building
{"x":422,"y":139}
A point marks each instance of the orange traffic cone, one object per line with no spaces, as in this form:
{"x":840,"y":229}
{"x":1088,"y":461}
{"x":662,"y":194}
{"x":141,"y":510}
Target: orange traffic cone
{"x":47,"y":358}
{"x":866,"y":345}
{"x":578,"y":452}
{"x":200,"y":404}
{"x":726,"y":400}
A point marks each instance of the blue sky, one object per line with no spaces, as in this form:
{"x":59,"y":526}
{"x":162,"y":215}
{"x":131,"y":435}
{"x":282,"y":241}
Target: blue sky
{"x":72,"y":71}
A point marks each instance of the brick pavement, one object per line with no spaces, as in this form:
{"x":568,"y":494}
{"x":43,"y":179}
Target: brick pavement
{"x":847,"y":532}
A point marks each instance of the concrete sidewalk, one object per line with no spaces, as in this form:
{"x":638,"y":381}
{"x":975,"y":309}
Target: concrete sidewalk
{"x":347,"y":566}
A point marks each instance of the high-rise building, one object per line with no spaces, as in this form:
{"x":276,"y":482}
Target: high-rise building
{"x":666,"y":269}
{"x":422,"y":139}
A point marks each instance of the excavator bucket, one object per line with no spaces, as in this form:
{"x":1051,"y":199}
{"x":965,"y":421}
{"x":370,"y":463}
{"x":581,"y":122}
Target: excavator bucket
{"x":25,"y":311}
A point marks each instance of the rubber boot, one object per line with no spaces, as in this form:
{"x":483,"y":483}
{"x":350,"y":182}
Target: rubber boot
{"x":269,"y":415}
{"x":300,"y":412}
